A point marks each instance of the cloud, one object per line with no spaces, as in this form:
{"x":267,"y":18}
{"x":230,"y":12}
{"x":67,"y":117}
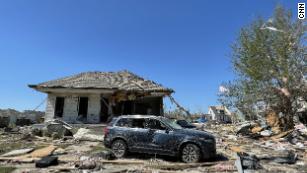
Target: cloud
{"x":223,"y":89}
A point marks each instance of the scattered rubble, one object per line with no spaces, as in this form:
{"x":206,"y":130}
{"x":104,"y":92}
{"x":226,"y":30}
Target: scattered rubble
{"x":266,"y":133}
{"x":85,"y":135}
{"x":290,"y":158}
{"x":106,"y":154}
{"x":58,"y":128}
{"x":86,"y":163}
{"x":286,"y":149}
{"x":4,"y":121}
{"x":14,"y":117}
{"x":246,"y":146}
{"x":247,"y":162}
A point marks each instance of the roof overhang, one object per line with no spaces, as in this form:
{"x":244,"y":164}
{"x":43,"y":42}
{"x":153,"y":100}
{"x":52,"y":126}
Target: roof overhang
{"x":96,"y":91}
{"x":74,"y":90}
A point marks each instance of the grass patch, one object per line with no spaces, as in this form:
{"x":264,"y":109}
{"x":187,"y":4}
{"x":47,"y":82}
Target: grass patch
{"x":6,"y":169}
{"x":98,"y":148}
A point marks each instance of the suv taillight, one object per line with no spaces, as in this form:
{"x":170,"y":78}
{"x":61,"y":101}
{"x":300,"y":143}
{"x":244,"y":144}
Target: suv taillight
{"x":105,"y":131}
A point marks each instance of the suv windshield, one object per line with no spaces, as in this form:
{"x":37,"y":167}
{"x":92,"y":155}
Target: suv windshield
{"x":182,"y":122}
{"x":170,"y":123}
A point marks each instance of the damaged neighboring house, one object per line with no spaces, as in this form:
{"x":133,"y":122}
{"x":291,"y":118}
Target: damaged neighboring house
{"x":94,"y":97}
{"x":220,"y":114}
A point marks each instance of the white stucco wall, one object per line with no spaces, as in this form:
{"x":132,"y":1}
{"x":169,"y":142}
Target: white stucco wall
{"x":93,"y":109}
{"x":70,"y":108}
{"x":213,"y":117}
{"x":70,"y":111}
{"x":50,"y":105}
{"x":220,"y":117}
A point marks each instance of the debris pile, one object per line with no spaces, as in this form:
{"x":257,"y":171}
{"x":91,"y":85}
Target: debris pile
{"x":255,"y":145}
{"x":58,"y":129}
{"x":11,"y":117}
{"x":58,"y":146}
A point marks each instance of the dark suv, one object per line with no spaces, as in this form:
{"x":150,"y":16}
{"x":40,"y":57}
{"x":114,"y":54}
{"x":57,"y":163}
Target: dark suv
{"x":157,"y":135}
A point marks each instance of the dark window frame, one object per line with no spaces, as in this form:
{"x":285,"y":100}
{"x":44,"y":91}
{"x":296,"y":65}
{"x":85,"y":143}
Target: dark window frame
{"x":85,"y":107}
{"x":59,"y":106}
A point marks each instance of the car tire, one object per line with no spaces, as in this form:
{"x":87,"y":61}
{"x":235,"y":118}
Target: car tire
{"x":190,"y":153}
{"x":119,"y":148}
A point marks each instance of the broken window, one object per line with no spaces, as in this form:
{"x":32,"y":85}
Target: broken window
{"x":59,"y":107}
{"x":83,"y":106}
{"x":138,"y":123}
{"x":155,"y":124}
{"x":124,"y":122}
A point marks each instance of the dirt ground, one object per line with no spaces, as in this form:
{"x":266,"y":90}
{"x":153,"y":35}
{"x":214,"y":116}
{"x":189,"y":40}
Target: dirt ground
{"x":85,"y":156}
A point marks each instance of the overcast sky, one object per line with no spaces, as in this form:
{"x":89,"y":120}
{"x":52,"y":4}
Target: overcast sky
{"x":184,"y":45}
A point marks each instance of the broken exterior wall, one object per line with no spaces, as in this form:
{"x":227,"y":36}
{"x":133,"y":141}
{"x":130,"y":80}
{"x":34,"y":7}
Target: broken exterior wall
{"x":148,"y":105}
{"x":152,"y":105}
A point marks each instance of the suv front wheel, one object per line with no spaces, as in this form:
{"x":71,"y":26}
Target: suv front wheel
{"x":119,"y":148}
{"x":190,"y":153}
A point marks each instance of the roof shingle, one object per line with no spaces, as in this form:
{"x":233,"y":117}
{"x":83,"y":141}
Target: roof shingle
{"x":122,"y":80}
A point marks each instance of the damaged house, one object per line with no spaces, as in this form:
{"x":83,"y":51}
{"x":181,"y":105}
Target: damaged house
{"x":94,"y":97}
{"x":220,"y":114}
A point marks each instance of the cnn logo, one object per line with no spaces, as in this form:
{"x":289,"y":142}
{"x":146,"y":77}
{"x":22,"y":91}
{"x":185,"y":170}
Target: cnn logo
{"x":301,"y":10}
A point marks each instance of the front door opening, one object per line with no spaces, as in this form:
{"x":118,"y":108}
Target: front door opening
{"x":83,"y":106}
{"x":59,"y":107}
{"x":104,"y":102}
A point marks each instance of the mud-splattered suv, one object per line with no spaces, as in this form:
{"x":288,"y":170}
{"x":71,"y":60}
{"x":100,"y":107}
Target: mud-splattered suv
{"x":157,"y":135}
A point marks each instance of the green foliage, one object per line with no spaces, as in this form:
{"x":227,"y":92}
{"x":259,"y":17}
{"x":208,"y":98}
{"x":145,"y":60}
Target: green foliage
{"x":269,"y":59}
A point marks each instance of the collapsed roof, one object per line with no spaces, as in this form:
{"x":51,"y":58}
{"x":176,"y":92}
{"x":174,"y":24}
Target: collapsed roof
{"x":120,"y":81}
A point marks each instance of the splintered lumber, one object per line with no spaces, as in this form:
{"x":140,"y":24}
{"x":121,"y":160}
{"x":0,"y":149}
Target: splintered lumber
{"x":31,"y":157}
{"x":43,"y":152}
{"x":18,"y":159}
{"x":65,"y":159}
{"x":157,"y":165}
{"x":236,"y":149}
{"x":282,"y":134}
{"x":160,"y":165}
{"x":122,"y":161}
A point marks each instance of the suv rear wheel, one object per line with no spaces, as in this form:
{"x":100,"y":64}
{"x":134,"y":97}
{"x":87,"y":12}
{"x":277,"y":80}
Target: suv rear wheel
{"x":119,"y":148}
{"x":190,"y":153}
